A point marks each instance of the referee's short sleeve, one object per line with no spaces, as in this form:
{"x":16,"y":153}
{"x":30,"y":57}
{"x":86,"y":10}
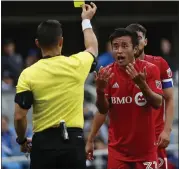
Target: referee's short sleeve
{"x":86,"y":60}
{"x":23,"y":84}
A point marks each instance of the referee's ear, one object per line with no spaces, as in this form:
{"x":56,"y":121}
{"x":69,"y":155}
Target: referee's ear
{"x":60,"y":42}
{"x":37,"y":43}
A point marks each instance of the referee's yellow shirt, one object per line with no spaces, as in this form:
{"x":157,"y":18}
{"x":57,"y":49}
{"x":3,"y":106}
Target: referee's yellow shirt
{"x":57,"y":84}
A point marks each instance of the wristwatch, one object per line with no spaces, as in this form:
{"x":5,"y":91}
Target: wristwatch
{"x":21,"y":142}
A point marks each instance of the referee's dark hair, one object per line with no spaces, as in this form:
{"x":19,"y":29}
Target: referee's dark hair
{"x":137,"y":28}
{"x":125,"y":32}
{"x":48,"y":33}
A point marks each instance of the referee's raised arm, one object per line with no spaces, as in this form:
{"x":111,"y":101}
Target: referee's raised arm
{"x":87,"y":58}
{"x":90,"y":39}
{"x":54,"y":86}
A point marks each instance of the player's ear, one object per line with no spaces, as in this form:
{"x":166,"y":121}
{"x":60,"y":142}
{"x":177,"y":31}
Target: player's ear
{"x":61,"y":41}
{"x":135,"y":50}
{"x":37,"y":43}
{"x":145,"y":41}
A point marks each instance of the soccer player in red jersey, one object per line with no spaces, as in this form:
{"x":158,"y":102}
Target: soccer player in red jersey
{"x":128,"y":90}
{"x":163,"y":129}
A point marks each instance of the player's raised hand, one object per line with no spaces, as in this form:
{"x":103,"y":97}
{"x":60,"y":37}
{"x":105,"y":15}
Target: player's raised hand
{"x":138,"y":77}
{"x":102,"y":78}
{"x":88,"y":11}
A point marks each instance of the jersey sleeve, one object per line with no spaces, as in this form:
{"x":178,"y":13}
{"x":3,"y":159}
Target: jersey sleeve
{"x":24,"y":96}
{"x":23,"y":84}
{"x":166,"y":74}
{"x":85,"y":60}
{"x":154,"y":81}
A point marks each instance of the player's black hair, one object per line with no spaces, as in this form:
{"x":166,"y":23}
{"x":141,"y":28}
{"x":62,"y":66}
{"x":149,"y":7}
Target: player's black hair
{"x":125,"y":32}
{"x":137,"y":28}
{"x":48,"y":33}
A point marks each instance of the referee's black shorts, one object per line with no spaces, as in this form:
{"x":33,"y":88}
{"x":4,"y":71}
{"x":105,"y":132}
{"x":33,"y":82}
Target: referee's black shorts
{"x":50,"y":151}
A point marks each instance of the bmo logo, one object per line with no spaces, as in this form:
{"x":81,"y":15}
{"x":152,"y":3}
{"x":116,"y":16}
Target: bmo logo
{"x":123,"y":100}
{"x":139,"y":99}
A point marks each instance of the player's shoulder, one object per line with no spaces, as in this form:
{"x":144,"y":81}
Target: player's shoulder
{"x":145,"y":63}
{"x":150,"y":67}
{"x":154,"y":59}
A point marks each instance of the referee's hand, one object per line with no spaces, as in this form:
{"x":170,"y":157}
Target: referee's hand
{"x":26,"y":147}
{"x":88,"y":11}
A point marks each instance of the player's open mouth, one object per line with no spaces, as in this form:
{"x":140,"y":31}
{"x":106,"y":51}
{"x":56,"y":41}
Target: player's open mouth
{"x":121,"y":59}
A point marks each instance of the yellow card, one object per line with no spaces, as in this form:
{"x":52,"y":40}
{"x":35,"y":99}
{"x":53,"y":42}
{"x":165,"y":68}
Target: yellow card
{"x":78,"y":3}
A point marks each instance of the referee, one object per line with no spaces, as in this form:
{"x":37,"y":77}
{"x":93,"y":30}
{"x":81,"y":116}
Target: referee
{"x":55,"y":87}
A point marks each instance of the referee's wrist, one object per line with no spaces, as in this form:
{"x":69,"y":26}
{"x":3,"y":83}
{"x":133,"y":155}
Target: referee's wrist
{"x":86,"y":24}
{"x":21,"y":141}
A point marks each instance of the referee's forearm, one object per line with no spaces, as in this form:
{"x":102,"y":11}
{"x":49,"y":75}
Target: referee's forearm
{"x":102,"y":102}
{"x":90,"y":41}
{"x":20,"y":127}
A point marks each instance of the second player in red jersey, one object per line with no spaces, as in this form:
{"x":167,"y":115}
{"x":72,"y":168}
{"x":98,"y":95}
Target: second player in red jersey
{"x":162,"y":127}
{"x":132,"y":95}
{"x":166,"y":79}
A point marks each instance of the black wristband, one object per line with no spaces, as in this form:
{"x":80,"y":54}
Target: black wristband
{"x":21,"y":142}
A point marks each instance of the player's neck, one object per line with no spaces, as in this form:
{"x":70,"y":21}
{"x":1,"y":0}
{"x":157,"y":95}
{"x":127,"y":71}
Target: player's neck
{"x":51,"y":52}
{"x":142,"y":56}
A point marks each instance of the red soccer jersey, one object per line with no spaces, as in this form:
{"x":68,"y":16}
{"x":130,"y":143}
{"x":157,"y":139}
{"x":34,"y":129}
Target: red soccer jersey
{"x":166,"y":78}
{"x":131,"y":128}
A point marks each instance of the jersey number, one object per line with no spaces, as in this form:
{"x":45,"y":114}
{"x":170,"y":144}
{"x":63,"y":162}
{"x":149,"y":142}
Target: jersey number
{"x":149,"y":164}
{"x":161,"y":162}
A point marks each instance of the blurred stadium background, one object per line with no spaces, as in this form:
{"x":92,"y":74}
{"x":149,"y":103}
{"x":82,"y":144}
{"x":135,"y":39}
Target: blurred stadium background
{"x":19,"y":23}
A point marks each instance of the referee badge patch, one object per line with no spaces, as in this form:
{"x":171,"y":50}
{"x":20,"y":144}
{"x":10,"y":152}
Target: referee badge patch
{"x":158,"y":84}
